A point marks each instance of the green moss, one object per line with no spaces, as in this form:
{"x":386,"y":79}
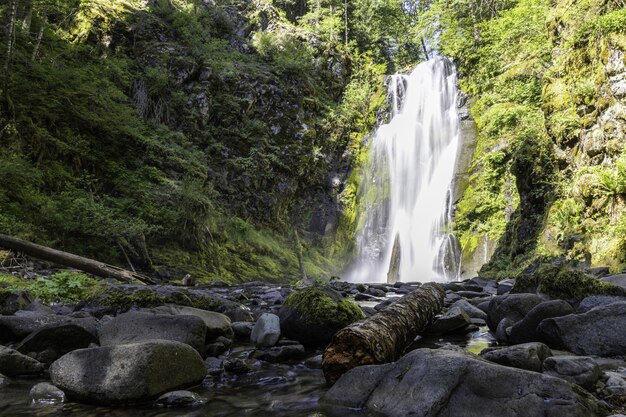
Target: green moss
{"x":564,"y":282}
{"x":319,"y":306}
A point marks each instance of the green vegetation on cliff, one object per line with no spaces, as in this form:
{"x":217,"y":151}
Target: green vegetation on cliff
{"x":186,"y":136}
{"x":544,"y":77}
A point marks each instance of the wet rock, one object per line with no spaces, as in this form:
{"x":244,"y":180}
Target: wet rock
{"x":214,"y":366}
{"x":279,"y":354}
{"x":272,"y":297}
{"x":615,"y":383}
{"x":218,"y":347}
{"x":5,"y":381}
{"x":529,"y":356}
{"x":375,"y":292}
{"x":46,"y":393}
{"x":12,"y":301}
{"x":313,"y":315}
{"x":242,"y":328}
{"x":453,"y":319}
{"x":13,"y":363}
{"x":179,"y":399}
{"x":472,"y":294}
{"x":365,"y":297}
{"x":217,"y":324}
{"x":127,"y":373}
{"x":383,"y":305}
{"x":266,"y":330}
{"x":594,"y":301}
{"x":37,"y":307}
{"x":619,"y":280}
{"x":438,"y":383}
{"x":503,"y":330}
{"x":61,"y":338}
{"x":314,"y":362}
{"x":237,"y":366}
{"x":471,"y":310}
{"x":511,"y":306}
{"x":505,"y":286}
{"x":16,"y":328}
{"x":581,"y":370}
{"x":525,"y":330}
{"x":599,"y":331}
{"x":138,"y":327}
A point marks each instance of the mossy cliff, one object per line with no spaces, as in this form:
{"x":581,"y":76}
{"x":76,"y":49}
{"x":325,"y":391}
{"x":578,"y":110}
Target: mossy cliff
{"x":546,"y":81}
{"x":214,"y":138}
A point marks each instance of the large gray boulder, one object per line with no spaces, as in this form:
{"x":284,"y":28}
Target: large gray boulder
{"x":529,"y":356}
{"x":217,"y":324}
{"x":451,"y":320}
{"x":14,"y":363}
{"x":139,"y":327}
{"x":525,"y":330}
{"x":600,"y":331}
{"x":512,"y":306}
{"x":581,"y":370}
{"x":619,"y":280}
{"x":443,"y":383}
{"x":594,"y":301}
{"x":130,"y":373}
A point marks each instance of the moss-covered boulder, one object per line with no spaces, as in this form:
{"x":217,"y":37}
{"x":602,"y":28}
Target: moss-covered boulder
{"x":313,"y":315}
{"x":564,"y":283}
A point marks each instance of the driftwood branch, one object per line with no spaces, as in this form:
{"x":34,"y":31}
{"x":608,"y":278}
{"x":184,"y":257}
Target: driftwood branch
{"x":384,"y":336}
{"x":73,"y":261}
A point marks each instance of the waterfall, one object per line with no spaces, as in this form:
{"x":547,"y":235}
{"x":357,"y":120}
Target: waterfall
{"x":407,"y":180}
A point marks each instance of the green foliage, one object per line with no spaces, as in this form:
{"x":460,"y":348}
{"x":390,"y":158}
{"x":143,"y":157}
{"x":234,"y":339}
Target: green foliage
{"x":566,"y":218}
{"x":565,"y":283}
{"x":67,"y":286}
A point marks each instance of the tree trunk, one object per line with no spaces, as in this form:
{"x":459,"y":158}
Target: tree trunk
{"x":74,"y":261}
{"x":298,"y":249}
{"x":384,"y":336}
{"x":10,"y":42}
{"x":39,"y":38}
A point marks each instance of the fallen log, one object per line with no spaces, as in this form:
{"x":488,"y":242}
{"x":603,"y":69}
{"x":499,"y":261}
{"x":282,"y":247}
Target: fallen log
{"x":384,"y":336}
{"x":73,"y":261}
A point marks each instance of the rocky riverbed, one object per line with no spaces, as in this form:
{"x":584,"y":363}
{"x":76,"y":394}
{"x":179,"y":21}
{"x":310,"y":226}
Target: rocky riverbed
{"x":256,"y":349}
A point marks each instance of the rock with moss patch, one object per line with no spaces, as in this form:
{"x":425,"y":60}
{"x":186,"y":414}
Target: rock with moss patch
{"x":313,"y":315}
{"x":12,"y":301}
{"x":564,"y":283}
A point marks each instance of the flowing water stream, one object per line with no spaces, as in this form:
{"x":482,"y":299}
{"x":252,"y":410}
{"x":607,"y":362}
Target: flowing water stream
{"x":407,"y":185}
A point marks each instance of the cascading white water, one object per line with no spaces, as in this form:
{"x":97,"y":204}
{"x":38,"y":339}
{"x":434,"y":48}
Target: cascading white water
{"x":407,"y":182}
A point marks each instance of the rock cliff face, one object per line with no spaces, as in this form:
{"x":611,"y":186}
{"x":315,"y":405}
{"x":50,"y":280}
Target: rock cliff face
{"x":549,"y":169}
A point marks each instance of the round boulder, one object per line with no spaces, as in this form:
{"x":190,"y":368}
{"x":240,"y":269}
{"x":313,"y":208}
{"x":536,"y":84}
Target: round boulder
{"x":129,"y":373}
{"x":313,"y":315}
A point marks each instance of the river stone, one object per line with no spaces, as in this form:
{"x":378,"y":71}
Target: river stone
{"x":60,"y":338}
{"x":505,"y":286}
{"x":128,"y":373}
{"x":502,"y":332}
{"x":242,"y":328}
{"x":525,"y":330}
{"x":279,"y":354}
{"x":471,"y":310}
{"x":594,"y":301}
{"x":138,"y":327}
{"x":179,"y":398}
{"x":217,"y":324}
{"x":529,"y":356}
{"x":266,"y":330}
{"x":619,"y":280}
{"x":12,"y":301}
{"x":46,"y":393}
{"x":453,"y":319}
{"x":14,"y":363}
{"x":445,"y":383}
{"x":313,"y":315}
{"x":16,"y":328}
{"x":600,"y":331}
{"x":581,"y":370}
{"x":615,"y":383}
{"x":511,"y":306}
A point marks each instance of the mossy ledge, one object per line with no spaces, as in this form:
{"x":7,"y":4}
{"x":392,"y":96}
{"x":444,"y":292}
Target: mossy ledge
{"x":563,"y":282}
{"x":318,"y":306}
